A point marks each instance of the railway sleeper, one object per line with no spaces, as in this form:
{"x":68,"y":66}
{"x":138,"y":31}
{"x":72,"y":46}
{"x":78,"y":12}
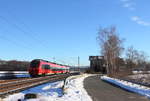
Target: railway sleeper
{"x":3,"y":94}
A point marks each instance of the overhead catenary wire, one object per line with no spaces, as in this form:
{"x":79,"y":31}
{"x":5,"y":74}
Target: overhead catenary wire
{"x":27,"y":27}
{"x":24,"y":32}
{"x":35,"y":36}
{"x":16,"y":44}
{"x":28,"y":48}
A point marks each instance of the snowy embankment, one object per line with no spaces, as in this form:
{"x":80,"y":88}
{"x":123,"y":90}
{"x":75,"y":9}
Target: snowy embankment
{"x":73,"y":91}
{"x":142,"y":90}
{"x":14,"y":74}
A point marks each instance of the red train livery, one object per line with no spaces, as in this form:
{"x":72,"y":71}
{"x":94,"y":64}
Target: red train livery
{"x":41,"y":67}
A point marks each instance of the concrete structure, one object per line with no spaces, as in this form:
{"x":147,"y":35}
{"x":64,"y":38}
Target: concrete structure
{"x":97,"y":64}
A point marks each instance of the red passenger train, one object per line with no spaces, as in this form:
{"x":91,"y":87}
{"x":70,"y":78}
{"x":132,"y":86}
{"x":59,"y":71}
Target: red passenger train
{"x":41,"y":67}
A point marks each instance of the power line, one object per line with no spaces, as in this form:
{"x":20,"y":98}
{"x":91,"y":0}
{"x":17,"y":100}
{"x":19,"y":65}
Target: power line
{"x":22,"y":30}
{"x":31,"y":31}
{"x":14,"y":25}
{"x":14,"y":43}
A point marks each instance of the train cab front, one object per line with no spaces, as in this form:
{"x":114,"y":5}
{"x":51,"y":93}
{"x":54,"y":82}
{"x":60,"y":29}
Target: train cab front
{"x":34,"y":68}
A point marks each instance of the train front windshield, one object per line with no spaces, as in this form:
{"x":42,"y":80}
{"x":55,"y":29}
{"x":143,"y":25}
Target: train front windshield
{"x":34,"y":64}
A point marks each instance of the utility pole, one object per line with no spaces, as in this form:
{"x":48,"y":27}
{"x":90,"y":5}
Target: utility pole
{"x":54,"y":59}
{"x":78,"y":63}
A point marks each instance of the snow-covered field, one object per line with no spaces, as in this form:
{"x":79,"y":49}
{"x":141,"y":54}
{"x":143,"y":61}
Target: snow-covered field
{"x":14,"y":74}
{"x":140,"y":72}
{"x":128,"y":86}
{"x":74,"y":91}
{"x":139,"y":76}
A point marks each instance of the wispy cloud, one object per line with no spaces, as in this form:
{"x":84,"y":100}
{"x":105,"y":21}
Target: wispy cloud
{"x":125,"y":0}
{"x":128,"y":4}
{"x":139,"y":21}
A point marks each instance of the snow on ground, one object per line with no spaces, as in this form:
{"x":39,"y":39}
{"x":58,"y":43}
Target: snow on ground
{"x":74,"y":91}
{"x":138,"y":76}
{"x":128,"y":86}
{"x":140,"y":72}
{"x":14,"y":74}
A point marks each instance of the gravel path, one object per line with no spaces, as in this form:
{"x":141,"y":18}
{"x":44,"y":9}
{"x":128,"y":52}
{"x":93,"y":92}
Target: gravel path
{"x":102,"y":91}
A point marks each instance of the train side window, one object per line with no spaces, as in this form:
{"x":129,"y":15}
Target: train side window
{"x":45,"y":66}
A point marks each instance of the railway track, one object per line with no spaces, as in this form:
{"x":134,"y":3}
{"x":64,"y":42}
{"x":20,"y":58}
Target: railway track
{"x":11,"y":86}
{"x":11,"y":80}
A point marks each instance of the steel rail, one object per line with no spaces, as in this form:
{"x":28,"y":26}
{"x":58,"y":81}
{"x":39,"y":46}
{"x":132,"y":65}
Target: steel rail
{"x":19,"y":80}
{"x":6,"y":88}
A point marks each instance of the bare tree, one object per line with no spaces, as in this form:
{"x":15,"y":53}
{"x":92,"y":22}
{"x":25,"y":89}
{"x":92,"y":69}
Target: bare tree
{"x":131,"y":56}
{"x":111,"y":48}
{"x":135,"y":58}
{"x":142,"y":59}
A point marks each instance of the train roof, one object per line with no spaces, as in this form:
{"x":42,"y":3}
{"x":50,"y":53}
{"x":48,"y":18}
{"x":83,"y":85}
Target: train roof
{"x":48,"y":62}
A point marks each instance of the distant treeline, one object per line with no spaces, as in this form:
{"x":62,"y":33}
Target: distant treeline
{"x":14,"y":65}
{"x":81,"y":68}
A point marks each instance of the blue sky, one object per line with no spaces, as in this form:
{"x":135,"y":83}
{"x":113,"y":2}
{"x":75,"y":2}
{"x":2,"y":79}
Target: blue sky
{"x":66,"y":29}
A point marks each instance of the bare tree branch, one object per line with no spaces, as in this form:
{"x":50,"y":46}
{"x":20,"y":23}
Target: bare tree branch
{"x":111,"y":48}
